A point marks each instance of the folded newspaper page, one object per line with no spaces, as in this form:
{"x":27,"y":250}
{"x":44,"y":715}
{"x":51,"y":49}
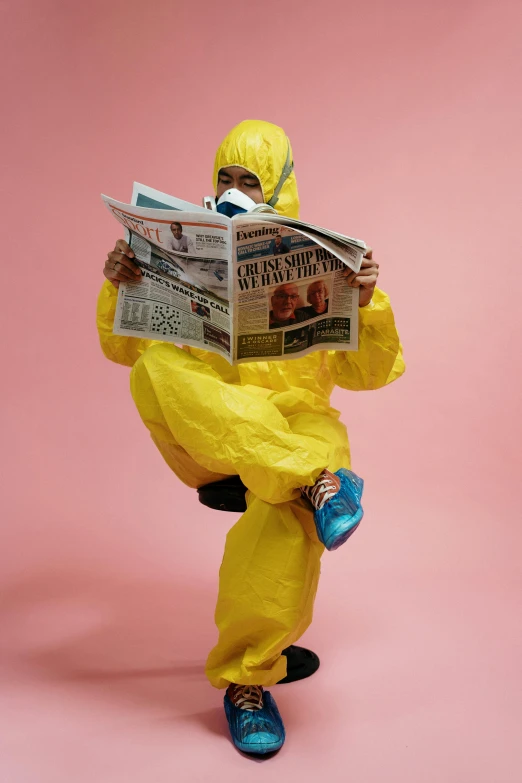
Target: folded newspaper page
{"x":253,"y":287}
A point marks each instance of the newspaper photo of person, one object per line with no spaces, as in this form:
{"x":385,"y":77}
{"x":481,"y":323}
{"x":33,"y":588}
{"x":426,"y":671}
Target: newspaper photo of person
{"x":284,"y":301}
{"x":317,"y":298}
{"x":279,"y":246}
{"x":178,"y":242}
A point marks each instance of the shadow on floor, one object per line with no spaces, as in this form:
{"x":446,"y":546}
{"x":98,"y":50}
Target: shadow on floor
{"x":140,"y":643}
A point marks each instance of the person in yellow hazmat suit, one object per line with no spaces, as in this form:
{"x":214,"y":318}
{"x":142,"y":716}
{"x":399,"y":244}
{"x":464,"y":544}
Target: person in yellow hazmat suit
{"x":271,"y":424}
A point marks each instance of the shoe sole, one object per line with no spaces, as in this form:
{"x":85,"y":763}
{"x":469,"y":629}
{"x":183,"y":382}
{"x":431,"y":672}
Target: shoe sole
{"x":266,"y":748}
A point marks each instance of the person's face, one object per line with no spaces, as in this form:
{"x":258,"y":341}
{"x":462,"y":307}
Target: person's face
{"x":278,"y":240}
{"x":241,"y":179}
{"x":176,"y":230}
{"x":316,"y":296}
{"x":284,"y":301}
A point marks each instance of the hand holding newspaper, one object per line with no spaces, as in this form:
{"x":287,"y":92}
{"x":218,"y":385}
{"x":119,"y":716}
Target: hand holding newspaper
{"x":253,"y":287}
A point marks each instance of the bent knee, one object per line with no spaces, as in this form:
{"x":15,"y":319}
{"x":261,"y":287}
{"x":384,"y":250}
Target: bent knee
{"x":157,"y":359}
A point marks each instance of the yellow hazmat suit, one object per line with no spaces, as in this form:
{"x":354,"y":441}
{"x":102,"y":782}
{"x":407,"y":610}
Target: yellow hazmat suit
{"x":269,"y":422}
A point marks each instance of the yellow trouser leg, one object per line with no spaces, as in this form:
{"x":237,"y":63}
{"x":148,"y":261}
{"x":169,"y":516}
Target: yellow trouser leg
{"x":267,"y":585}
{"x":224,"y":428}
{"x":269,"y":575}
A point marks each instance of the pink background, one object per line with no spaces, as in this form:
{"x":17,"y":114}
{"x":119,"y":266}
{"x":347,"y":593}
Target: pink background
{"x":406,"y":125}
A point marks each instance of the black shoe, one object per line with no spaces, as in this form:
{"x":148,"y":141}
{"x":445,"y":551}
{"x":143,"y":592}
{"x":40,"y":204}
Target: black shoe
{"x":225,"y":495}
{"x":300,"y":664}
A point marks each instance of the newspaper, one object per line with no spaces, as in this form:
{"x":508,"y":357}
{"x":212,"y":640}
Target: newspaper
{"x":253,"y":287}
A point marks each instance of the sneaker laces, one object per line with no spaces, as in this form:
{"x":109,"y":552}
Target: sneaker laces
{"x":326,"y":486}
{"x":246,"y":697}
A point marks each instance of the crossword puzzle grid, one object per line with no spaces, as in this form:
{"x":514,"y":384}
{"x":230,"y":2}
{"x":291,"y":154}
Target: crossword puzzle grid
{"x":168,"y":322}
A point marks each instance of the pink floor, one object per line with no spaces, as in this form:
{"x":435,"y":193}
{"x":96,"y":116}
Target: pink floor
{"x":108,"y":572}
{"x":420,"y":643}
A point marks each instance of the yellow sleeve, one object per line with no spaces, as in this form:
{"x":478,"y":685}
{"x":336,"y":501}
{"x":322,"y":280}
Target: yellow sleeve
{"x":116,"y":347}
{"x":379,"y":358}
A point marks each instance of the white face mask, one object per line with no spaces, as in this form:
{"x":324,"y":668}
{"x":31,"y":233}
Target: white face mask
{"x":233,"y":202}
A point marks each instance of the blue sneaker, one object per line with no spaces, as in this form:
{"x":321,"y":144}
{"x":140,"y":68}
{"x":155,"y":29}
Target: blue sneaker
{"x":253,"y":719}
{"x":341,"y":514}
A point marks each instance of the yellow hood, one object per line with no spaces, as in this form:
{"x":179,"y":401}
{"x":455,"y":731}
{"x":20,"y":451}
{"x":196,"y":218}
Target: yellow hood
{"x":262,"y":149}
